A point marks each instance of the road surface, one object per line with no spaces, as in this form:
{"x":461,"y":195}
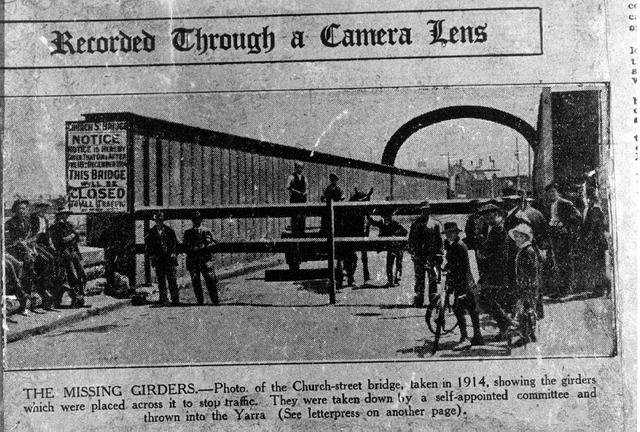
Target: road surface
{"x":292,"y":321}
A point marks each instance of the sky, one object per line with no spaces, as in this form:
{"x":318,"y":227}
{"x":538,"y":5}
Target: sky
{"x":351,"y":123}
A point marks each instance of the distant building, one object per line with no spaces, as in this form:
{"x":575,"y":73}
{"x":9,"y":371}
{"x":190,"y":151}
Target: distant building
{"x":483,"y":183}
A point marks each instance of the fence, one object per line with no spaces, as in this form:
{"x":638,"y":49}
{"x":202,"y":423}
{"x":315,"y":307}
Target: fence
{"x":325,"y":244}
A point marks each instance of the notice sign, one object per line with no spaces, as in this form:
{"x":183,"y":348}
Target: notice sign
{"x":97,"y":167}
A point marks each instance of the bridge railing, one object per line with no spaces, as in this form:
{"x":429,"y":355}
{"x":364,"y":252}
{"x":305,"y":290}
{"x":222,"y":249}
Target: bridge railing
{"x":326,"y":242}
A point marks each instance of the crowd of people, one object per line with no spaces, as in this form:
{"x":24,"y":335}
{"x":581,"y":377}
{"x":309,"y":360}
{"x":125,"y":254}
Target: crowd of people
{"x":522,"y":255}
{"x":42,"y":259}
{"x":523,"y":252}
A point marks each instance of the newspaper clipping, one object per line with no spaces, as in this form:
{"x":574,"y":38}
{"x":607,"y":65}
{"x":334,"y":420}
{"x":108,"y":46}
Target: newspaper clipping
{"x":339,"y":216}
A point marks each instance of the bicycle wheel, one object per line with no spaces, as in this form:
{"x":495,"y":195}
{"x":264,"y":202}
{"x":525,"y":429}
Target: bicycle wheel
{"x":433,"y":310}
{"x":440,"y":320}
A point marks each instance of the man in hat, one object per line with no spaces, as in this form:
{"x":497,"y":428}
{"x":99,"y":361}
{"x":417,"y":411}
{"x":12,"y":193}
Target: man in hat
{"x":38,"y":219}
{"x":523,"y":210}
{"x":425,"y":246}
{"x":564,"y":225}
{"x":20,"y":244}
{"x":387,"y":227}
{"x":17,"y":228}
{"x":161,"y":247}
{"x":65,"y":243}
{"x":594,"y":245}
{"x":297,"y":187}
{"x":44,"y":262}
{"x":461,"y":284}
{"x":491,"y":254}
{"x":198,"y":244}
{"x":474,"y":226}
{"x":332,"y":192}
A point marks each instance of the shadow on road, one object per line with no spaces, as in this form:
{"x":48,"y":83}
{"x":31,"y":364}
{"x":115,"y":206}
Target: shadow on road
{"x":445,"y":350}
{"x":96,"y":329}
{"x":402,"y":317}
{"x":319,"y":286}
{"x":370,"y":286}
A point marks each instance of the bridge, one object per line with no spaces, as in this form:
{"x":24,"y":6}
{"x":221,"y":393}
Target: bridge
{"x":238,"y":183}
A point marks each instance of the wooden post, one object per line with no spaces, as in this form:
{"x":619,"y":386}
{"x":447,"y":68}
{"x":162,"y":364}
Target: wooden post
{"x":146,"y":187}
{"x":332,"y":252}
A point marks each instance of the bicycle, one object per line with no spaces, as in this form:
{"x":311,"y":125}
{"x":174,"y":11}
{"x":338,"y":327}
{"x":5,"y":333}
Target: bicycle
{"x":436,"y":319}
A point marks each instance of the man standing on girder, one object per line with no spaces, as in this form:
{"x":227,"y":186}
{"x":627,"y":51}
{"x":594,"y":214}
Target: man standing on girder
{"x":297,"y":186}
{"x":426,"y":249}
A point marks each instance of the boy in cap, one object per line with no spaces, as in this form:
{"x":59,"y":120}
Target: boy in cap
{"x":460,"y":282}
{"x":198,"y":243}
{"x":390,"y":228}
{"x":527,"y":277}
{"x":425,"y":247}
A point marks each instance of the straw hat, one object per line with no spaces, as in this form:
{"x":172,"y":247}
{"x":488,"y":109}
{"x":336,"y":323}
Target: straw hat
{"x":521,"y":229}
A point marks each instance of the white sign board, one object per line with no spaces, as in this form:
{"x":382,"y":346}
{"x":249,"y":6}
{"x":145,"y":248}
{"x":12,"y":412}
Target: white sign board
{"x":97,"y":170}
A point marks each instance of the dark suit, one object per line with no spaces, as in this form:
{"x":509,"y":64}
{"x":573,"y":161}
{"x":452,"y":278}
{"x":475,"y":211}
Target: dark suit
{"x":16,"y":229}
{"x":392,"y":229}
{"x":69,"y":260}
{"x":563,"y":232}
{"x":425,"y":246}
{"x":538,"y":223}
{"x":297,"y":186}
{"x":362,"y":215}
{"x":198,"y":243}
{"x":492,"y":255}
{"x":593,"y":247}
{"x":495,"y":296}
{"x":473,"y":229}
{"x":460,"y":282}
{"x":161,"y":248}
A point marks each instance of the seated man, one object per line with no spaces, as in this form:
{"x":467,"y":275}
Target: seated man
{"x":65,"y":242}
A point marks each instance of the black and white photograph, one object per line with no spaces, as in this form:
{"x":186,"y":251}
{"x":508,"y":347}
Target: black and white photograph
{"x":405,"y":224}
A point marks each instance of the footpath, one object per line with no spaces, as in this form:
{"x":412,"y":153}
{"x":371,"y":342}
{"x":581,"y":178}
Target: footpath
{"x":38,"y":321}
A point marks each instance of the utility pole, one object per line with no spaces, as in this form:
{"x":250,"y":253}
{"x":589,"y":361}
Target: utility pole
{"x":529,"y":162}
{"x":448,"y":155}
{"x":517,"y":165}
